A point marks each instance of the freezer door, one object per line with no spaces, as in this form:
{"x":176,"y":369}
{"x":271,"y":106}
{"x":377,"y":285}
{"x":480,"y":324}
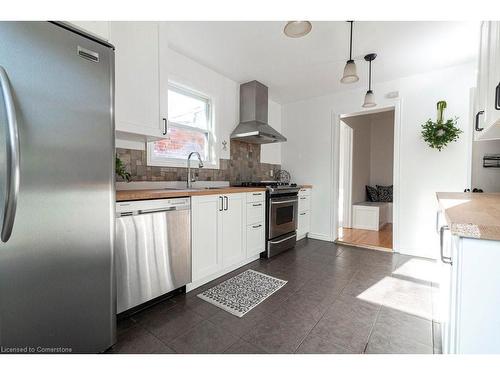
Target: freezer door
{"x":56,"y":269}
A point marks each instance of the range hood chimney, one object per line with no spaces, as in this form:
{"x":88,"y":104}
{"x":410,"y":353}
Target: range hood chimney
{"x":253,"y":126}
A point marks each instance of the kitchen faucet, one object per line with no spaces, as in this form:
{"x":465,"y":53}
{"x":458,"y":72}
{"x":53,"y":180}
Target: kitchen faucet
{"x":200,"y":165}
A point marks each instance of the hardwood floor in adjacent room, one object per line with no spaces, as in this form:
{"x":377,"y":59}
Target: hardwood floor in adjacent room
{"x":378,"y":240}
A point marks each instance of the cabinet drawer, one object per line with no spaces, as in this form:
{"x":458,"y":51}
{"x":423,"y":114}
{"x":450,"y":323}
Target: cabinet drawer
{"x":255,"y":212}
{"x":256,"y":196}
{"x":255,"y":239}
{"x":303,"y":224}
{"x":304,"y":191}
{"x":304,"y":203}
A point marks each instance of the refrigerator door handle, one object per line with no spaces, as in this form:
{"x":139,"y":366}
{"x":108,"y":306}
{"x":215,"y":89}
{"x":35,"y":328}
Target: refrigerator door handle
{"x":12,"y":157}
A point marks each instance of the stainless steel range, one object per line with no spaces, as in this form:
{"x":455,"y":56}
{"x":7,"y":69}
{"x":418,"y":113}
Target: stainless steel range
{"x":281,"y":215}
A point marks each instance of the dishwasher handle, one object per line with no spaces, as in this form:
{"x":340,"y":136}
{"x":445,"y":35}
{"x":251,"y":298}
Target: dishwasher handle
{"x":165,"y":209}
{"x":153,"y":210}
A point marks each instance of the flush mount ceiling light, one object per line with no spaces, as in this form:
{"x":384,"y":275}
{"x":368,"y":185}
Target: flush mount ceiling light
{"x":350,"y":75}
{"x":297,"y":29}
{"x":369,"y":97}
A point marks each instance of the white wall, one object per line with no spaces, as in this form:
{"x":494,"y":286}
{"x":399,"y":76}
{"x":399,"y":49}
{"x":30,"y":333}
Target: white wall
{"x":225,"y":95}
{"x":361,"y":156}
{"x":271,"y":153}
{"x":308,"y":125}
{"x":382,"y":148}
{"x":223,"y":91}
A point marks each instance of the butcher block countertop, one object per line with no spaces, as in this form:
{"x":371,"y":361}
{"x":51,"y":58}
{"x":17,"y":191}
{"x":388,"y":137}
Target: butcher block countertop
{"x":473,"y":215}
{"x":133,"y":195}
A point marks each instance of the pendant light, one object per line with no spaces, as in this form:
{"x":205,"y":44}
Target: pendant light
{"x":350,"y":75}
{"x":369,"y":97}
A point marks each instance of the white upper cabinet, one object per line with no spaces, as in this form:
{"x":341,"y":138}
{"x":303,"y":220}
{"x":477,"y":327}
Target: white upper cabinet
{"x":97,"y":28}
{"x":163,"y":76}
{"x":487,"y":102}
{"x":138,"y":102}
{"x":492,"y":109}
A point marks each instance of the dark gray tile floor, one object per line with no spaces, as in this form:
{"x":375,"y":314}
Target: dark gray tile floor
{"x":338,"y":299}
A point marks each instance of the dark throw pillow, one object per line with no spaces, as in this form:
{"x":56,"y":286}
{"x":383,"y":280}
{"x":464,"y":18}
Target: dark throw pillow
{"x":372,"y":193}
{"x":384,"y":193}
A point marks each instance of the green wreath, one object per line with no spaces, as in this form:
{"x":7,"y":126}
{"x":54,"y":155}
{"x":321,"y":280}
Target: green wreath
{"x":439,"y":134}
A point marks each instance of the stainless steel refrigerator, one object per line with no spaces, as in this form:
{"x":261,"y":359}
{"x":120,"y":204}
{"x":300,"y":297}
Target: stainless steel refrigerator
{"x":56,"y":190}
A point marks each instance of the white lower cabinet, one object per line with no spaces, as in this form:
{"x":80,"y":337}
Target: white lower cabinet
{"x":303,"y":224}
{"x":255,"y":223}
{"x":206,"y":228}
{"x":232,"y":214}
{"x":470,"y":296}
{"x":221,"y":239}
{"x":304,"y":218}
{"x":255,"y":239}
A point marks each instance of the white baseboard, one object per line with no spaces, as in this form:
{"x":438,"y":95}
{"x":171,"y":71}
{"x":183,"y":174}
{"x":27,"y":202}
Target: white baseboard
{"x":417,"y":253}
{"x":320,"y":236}
{"x":198,"y":283}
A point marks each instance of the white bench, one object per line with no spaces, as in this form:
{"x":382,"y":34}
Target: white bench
{"x":371,"y":215}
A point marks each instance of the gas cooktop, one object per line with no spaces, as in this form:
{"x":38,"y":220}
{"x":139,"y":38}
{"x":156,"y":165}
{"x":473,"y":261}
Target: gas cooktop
{"x":273,"y":184}
{"x":273,"y":187}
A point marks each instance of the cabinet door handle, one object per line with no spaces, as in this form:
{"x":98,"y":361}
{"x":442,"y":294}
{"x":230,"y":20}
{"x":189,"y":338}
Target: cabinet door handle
{"x":303,"y":213}
{"x":437,"y":221}
{"x":221,"y":203}
{"x":165,"y":126}
{"x":257,"y":194}
{"x":444,"y":259}
{"x":256,"y":226}
{"x":476,"y":124}
{"x":227,"y":202}
{"x":257,"y":204}
{"x":497,"y":97}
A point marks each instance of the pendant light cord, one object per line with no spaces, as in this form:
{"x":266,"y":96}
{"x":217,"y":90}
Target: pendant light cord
{"x":350,"y":42}
{"x":370,"y":77}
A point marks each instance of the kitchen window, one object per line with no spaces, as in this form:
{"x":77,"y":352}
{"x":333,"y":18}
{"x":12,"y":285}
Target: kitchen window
{"x":189,"y":129}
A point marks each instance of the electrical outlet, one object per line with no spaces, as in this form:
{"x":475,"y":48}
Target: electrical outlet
{"x":271,"y":172}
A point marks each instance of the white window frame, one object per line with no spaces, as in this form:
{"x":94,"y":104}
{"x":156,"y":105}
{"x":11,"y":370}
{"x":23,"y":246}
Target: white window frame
{"x":211,"y":161}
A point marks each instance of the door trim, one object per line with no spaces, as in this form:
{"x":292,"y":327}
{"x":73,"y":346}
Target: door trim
{"x":336,"y":118}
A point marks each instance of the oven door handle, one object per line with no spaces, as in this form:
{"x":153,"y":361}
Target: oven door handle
{"x":283,"y":240}
{"x":288,"y":201}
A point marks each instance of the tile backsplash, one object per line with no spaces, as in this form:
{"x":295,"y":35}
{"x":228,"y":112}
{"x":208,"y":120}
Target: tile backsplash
{"x":244,"y":165}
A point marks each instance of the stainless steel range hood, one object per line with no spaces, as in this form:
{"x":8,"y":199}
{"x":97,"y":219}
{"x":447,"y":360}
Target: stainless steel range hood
{"x":253,"y":126}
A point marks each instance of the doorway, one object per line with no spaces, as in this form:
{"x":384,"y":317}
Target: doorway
{"x":366,"y":179}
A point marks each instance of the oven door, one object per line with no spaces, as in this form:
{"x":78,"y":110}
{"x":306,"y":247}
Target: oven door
{"x":282,"y":215}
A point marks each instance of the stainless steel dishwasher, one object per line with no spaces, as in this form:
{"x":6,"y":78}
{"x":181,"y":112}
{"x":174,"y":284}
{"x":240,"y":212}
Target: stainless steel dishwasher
{"x":152,"y":250}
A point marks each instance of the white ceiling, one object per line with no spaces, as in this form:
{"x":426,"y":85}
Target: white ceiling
{"x":295,"y":69}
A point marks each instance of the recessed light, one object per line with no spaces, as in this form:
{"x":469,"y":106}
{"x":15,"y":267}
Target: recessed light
{"x":297,"y":29}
